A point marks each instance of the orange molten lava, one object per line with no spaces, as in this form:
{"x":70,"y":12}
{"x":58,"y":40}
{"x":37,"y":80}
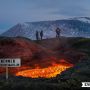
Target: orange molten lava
{"x":48,"y":72}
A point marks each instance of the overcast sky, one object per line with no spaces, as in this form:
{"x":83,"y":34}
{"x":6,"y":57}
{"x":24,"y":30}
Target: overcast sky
{"x":18,"y":11}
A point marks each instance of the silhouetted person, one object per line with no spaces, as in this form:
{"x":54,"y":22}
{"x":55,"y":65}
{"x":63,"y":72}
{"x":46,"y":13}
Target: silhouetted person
{"x":37,"y":35}
{"x":58,"y":31}
{"x":41,"y":34}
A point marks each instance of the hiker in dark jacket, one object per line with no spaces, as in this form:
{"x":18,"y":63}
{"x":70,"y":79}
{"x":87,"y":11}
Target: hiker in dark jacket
{"x":58,"y":31}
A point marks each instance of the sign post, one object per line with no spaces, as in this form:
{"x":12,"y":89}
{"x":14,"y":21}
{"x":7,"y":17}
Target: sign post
{"x":8,"y":62}
{"x":6,"y":73}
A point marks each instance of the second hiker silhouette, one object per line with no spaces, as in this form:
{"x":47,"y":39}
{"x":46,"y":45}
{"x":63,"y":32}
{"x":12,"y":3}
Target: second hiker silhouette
{"x":37,"y":35}
{"x":41,"y":35}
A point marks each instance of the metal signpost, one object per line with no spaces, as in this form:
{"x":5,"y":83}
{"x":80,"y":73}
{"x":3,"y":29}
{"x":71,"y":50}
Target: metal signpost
{"x":8,"y":62}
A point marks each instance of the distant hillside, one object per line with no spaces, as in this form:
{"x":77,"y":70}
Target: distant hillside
{"x":73,"y":27}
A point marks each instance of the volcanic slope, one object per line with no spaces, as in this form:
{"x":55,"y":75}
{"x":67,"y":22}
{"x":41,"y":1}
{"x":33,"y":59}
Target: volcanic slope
{"x":29,"y":52}
{"x":38,"y":54}
{"x":62,"y":48}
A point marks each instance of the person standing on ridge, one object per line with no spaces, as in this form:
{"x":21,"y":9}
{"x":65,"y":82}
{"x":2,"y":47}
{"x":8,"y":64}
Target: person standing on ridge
{"x":58,"y":31}
{"x":37,"y":35}
{"x":41,"y":34}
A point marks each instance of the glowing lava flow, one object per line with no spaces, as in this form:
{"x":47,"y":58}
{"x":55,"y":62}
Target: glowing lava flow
{"x":48,"y":72}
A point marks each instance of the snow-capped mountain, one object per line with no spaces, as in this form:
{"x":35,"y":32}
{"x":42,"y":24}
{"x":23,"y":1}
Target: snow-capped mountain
{"x":83,"y":19}
{"x":73,"y":27}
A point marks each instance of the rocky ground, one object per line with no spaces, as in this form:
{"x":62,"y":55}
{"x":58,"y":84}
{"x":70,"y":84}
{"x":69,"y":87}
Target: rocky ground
{"x":74,"y":50}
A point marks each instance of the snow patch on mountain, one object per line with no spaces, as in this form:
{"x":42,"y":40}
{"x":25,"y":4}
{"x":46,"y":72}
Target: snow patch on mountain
{"x":83,"y":19}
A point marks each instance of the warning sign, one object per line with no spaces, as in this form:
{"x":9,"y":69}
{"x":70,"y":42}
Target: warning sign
{"x":10,"y":62}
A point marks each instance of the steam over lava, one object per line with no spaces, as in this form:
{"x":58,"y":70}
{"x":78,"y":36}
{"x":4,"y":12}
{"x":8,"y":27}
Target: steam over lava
{"x":48,"y":72}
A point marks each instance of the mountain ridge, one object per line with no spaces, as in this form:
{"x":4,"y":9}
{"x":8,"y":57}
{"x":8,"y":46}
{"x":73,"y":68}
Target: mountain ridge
{"x":72,"y":27}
